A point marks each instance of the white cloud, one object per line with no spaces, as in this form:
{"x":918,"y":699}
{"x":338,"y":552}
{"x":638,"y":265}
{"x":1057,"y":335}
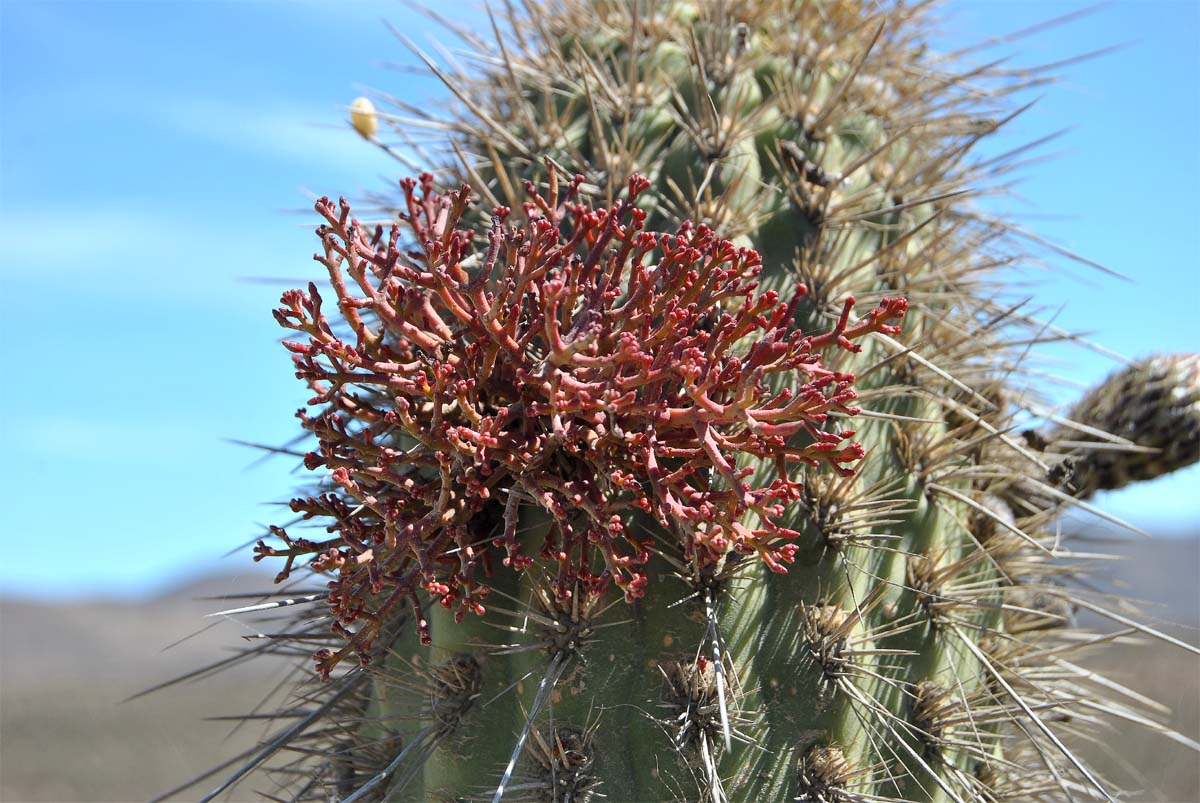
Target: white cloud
{"x":129,"y":255}
{"x":73,"y":241}
{"x":63,"y":436}
{"x":308,"y":135}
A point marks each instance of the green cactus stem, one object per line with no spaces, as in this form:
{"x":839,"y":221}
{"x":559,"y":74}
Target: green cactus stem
{"x":635,"y":486}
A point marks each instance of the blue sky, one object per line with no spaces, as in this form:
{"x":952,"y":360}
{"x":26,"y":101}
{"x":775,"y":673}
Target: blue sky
{"x":154,"y":153}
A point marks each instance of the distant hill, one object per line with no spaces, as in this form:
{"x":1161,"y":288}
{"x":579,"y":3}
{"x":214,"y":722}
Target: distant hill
{"x":64,"y":670}
{"x":109,"y":636}
{"x":1163,"y":573}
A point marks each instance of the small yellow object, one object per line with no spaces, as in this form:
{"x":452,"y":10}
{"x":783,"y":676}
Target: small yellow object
{"x":362,"y":117}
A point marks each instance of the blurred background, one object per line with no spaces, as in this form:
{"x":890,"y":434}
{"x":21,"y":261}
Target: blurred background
{"x":158,"y":160}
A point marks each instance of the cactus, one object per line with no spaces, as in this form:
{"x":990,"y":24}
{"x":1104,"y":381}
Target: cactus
{"x":596,"y":522}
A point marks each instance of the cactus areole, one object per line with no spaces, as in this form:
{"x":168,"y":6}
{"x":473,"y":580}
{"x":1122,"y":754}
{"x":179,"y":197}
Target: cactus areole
{"x":591,"y":522}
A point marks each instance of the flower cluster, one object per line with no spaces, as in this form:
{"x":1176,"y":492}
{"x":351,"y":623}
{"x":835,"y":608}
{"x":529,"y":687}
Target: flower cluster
{"x":575,"y":365}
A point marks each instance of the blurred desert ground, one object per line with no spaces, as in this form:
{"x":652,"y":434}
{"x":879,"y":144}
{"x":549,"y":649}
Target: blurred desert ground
{"x":64,"y":668}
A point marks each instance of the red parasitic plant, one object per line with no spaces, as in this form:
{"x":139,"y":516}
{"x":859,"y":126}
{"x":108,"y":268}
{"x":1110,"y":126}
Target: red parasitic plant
{"x":575,"y":364}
